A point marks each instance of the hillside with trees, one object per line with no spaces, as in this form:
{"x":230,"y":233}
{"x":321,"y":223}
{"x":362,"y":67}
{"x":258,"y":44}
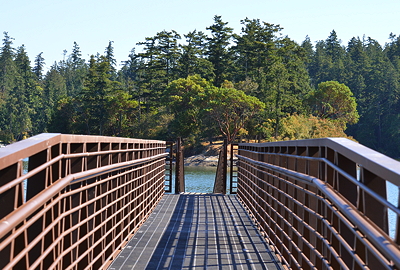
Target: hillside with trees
{"x":254,"y":83}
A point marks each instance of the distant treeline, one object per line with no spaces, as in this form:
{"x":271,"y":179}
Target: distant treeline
{"x":256,"y":84}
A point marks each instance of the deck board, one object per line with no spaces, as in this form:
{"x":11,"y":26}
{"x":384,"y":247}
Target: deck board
{"x":197,"y":231}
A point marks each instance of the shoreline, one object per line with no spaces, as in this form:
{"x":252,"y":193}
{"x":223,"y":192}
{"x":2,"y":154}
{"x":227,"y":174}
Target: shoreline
{"x":201,"y":161}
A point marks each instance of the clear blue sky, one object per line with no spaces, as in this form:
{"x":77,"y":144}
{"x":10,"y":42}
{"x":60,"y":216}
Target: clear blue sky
{"x":51,"y":26}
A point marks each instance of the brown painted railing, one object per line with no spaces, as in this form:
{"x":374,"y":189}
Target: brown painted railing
{"x":80,"y":201}
{"x":323,"y":203}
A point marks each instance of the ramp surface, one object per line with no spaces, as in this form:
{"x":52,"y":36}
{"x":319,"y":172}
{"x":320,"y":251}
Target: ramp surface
{"x":196,"y":231}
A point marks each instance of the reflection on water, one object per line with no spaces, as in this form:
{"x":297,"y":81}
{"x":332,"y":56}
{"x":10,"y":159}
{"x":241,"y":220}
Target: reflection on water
{"x":199,"y":179}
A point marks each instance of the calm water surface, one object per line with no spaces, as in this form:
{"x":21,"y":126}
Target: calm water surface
{"x":199,"y":179}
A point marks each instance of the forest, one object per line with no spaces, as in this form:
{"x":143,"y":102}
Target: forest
{"x":255,"y":85}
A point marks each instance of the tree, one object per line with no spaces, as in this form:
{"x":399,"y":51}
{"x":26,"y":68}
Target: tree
{"x":255,"y":49}
{"x":29,"y":96}
{"x":382,"y":92}
{"x":185,"y":98}
{"x":334,"y":101}
{"x":109,"y":56}
{"x":74,"y":70}
{"x":287,"y":82}
{"x":8,"y":69}
{"x":39,"y":65}
{"x":192,"y":59}
{"x":299,"y":127}
{"x":309,"y":50}
{"x":76,"y":57}
{"x":120,"y":107}
{"x":357,"y":64}
{"x":55,"y":88}
{"x":217,"y":49}
{"x":157,"y":66}
{"x":94,"y":96}
{"x":392,"y":50}
{"x":66,"y":117}
{"x":231,"y":109}
{"x":329,"y":61}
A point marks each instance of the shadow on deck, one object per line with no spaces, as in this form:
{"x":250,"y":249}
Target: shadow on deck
{"x":191,"y":231}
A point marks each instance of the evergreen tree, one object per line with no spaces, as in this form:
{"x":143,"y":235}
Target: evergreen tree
{"x":76,"y":57}
{"x":14,"y":120}
{"x":392,"y":50}
{"x":329,"y":61}
{"x":357,"y":65}
{"x":335,"y":101}
{"x":158,"y":65}
{"x":74,"y":70}
{"x":129,"y":68}
{"x":31,"y":99}
{"x":192,"y":60}
{"x":382,"y":86}
{"x":309,"y":51}
{"x":55,"y":88}
{"x":39,"y":65}
{"x":109,"y":56}
{"x":217,"y":49}
{"x":93,"y":99}
{"x":254,"y":50}
{"x":8,"y":70}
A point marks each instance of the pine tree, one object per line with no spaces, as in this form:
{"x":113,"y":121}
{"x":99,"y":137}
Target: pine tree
{"x":157,"y":65}
{"x":39,"y":65}
{"x":74,"y":70}
{"x":10,"y":82}
{"x":109,"y":56}
{"x":217,"y":49}
{"x":309,"y":51}
{"x":254,"y":48}
{"x":192,"y":60}
{"x":94,"y":99}
{"x":55,"y":88}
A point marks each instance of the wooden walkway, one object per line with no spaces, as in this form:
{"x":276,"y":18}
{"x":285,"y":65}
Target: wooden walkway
{"x":191,"y":231}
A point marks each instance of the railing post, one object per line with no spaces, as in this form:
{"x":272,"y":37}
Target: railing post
{"x":168,"y":170}
{"x":220,"y":177}
{"x":179,"y":169}
{"x":231,"y":173}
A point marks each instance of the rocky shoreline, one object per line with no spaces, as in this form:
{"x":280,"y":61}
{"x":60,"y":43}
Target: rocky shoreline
{"x":208,"y":158}
{"x":202,"y":160}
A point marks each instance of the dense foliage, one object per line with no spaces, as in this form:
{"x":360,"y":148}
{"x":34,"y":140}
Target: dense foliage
{"x":255,"y":84}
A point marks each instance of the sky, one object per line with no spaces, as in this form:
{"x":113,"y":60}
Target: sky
{"x":52,"y":26}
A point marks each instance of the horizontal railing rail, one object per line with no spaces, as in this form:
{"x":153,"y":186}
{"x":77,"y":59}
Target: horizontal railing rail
{"x":323,"y":203}
{"x":78,"y":201}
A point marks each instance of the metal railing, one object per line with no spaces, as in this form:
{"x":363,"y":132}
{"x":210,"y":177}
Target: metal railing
{"x":233,"y":173}
{"x":323,"y":203}
{"x":221,"y":176}
{"x":78,"y":201}
{"x":175,"y":160}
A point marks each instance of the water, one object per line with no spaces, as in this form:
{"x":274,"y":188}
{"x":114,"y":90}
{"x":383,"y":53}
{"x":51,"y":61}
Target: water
{"x":25,"y":171}
{"x":393,"y":198}
{"x":199,"y":179}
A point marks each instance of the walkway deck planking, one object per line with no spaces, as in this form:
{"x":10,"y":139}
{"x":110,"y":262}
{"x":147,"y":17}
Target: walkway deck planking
{"x":193,"y":231}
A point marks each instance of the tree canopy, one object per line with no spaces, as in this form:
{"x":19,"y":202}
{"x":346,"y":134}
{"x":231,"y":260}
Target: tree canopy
{"x":201,"y":85}
{"x":334,"y":101}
